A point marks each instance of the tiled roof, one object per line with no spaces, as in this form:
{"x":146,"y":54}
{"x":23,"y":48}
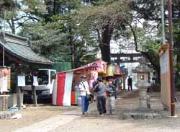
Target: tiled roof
{"x":19,"y":47}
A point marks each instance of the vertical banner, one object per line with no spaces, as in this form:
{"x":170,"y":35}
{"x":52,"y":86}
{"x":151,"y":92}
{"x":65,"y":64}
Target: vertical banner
{"x":4,"y":79}
{"x":9,"y":78}
{"x":1,"y":80}
{"x":62,"y":94}
{"x":60,"y":88}
{"x":165,"y":76}
{"x":67,"y":89}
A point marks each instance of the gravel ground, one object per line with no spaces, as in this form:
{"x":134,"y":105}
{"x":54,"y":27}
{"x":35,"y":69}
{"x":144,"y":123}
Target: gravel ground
{"x":69,"y":119}
{"x":32,"y":115}
{"x":113,"y":123}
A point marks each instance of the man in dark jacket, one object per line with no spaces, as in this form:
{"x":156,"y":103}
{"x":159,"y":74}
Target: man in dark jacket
{"x":100,"y":90}
{"x":129,"y":83}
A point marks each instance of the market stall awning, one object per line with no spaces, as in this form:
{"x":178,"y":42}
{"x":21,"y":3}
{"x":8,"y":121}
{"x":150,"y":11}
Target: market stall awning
{"x":98,"y":65}
{"x":20,"y":48}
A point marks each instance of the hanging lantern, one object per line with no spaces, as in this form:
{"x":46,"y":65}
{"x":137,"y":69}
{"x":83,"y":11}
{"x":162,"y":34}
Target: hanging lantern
{"x":101,"y":74}
{"x":110,"y":70}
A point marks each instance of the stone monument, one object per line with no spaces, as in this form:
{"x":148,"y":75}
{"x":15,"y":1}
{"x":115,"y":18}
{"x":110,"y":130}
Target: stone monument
{"x":144,"y":110}
{"x":142,"y":84}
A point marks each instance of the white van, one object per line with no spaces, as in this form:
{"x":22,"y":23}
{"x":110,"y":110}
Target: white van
{"x":46,"y":79}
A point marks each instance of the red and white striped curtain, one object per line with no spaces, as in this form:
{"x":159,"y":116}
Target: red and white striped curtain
{"x":62,"y":91}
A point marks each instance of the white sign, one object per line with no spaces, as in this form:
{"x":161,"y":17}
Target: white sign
{"x":35,"y":81}
{"x":3,"y":82}
{"x":21,"y":81}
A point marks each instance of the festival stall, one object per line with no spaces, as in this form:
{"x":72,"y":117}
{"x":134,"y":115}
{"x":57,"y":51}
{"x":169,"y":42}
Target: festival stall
{"x":66,"y":92}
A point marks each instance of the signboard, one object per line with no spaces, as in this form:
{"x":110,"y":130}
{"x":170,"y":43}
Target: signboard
{"x":165,"y":76}
{"x":21,"y":81}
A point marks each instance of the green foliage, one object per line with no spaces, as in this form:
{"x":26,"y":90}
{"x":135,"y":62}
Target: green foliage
{"x":98,"y":23}
{"x":7,"y":5}
{"x":147,"y":9}
{"x":34,"y":7}
{"x":48,"y":39}
{"x":56,"y":39}
{"x":65,"y":29}
{"x":98,"y":16}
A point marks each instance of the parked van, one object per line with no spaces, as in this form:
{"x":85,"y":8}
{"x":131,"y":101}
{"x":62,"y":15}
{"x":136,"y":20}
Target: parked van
{"x":46,"y":79}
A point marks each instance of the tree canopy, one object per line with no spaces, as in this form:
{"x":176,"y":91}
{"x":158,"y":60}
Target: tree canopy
{"x":75,"y":30}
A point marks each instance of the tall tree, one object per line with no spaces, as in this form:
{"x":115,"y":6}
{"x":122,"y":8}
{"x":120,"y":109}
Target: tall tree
{"x":101,"y":20}
{"x":6,"y":6}
{"x":56,"y":35}
{"x":21,"y":11}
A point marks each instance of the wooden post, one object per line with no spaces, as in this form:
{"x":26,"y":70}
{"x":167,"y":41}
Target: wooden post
{"x":19,"y":99}
{"x":34,"y":95}
{"x":172,"y":89}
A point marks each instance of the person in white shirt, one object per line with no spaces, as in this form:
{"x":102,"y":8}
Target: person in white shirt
{"x":84,"y":91}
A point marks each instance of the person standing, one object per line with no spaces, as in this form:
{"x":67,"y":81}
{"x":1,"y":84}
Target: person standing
{"x":116,"y":83}
{"x":111,"y":94}
{"x":93,"y":87}
{"x":129,"y":83}
{"x":100,"y":90}
{"x":84,"y":92}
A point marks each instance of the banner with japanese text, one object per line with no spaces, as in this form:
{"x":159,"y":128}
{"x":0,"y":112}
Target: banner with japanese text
{"x":165,"y":76}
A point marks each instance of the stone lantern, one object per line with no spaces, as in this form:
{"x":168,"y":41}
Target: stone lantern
{"x":143,"y":71}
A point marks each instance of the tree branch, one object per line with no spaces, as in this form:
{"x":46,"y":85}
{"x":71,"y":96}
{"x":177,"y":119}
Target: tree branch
{"x":99,"y":37}
{"x":134,"y":36}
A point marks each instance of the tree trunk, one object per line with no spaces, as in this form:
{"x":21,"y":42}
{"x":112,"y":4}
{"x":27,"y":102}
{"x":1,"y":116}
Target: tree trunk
{"x":13,"y":26}
{"x":105,"y":42}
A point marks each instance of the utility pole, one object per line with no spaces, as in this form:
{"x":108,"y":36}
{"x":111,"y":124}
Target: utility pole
{"x":172,"y":88}
{"x":4,"y":15}
{"x":162,"y":21}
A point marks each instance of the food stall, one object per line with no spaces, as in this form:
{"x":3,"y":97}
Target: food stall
{"x":66,"y":92}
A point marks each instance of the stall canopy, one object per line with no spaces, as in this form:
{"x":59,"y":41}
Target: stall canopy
{"x":62,"y":92}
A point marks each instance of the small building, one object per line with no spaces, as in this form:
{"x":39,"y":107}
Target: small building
{"x":16,"y":53}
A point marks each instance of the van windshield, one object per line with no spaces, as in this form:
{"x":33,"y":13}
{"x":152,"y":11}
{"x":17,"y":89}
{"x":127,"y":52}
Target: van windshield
{"x":42,"y":77}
